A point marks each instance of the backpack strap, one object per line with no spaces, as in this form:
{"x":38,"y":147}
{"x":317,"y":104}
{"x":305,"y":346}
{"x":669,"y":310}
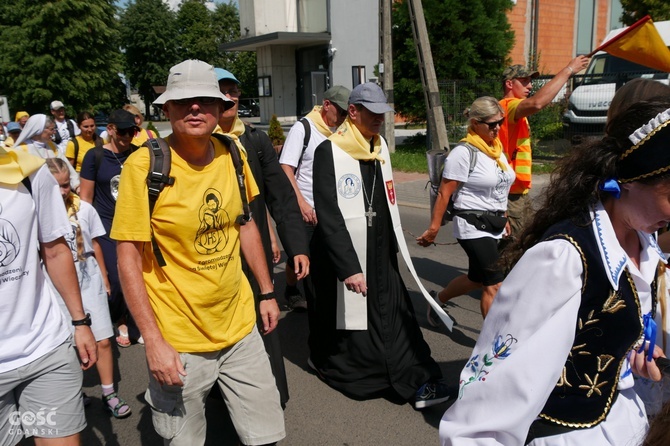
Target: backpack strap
{"x":76,"y":152}
{"x":160,"y":161}
{"x":26,"y":182}
{"x":239,"y":173}
{"x":308,"y":136}
{"x":70,"y":128}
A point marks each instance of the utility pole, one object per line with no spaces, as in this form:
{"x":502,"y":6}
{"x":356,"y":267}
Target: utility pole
{"x":437,"y":128}
{"x":386,"y":68}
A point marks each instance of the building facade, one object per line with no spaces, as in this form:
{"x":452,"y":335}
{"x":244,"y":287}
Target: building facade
{"x":551,"y":32}
{"x":305,"y":46}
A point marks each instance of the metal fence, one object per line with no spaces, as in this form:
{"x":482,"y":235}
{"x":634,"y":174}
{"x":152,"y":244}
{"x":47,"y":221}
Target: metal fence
{"x":579,"y":109}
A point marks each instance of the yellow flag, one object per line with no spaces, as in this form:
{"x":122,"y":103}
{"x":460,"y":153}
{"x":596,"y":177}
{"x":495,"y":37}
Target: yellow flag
{"x":640,"y":43}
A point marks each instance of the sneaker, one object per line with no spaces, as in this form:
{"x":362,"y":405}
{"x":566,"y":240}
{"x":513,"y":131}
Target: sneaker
{"x":140,"y":340}
{"x":431,"y":315}
{"x":295,"y":300}
{"x":430,"y":394}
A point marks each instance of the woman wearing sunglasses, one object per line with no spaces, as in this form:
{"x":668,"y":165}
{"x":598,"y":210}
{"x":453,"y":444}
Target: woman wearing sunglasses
{"x":477,"y":175}
{"x":100,"y":173}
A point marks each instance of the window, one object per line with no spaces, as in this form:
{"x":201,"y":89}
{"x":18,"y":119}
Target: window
{"x":358,"y":75}
{"x":264,"y":86}
{"x":585,"y":21}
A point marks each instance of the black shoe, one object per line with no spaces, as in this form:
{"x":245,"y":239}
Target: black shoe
{"x":432,"y":317}
{"x":430,"y":394}
{"x":295,"y":299}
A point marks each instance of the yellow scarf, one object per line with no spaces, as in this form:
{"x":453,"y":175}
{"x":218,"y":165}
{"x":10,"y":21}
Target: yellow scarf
{"x":317,"y":119}
{"x":349,"y":138}
{"x":235,"y":132}
{"x":15,"y":166}
{"x":492,"y":152}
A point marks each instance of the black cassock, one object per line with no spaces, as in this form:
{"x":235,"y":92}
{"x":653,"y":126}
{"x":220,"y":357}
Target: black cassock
{"x":277,"y":193}
{"x":391,"y":355}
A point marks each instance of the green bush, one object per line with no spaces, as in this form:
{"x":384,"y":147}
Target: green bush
{"x":547,"y":123}
{"x":275,"y":132}
{"x":154,"y":130}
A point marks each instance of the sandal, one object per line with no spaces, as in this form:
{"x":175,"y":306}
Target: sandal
{"x":116,"y":409}
{"x":122,"y":340}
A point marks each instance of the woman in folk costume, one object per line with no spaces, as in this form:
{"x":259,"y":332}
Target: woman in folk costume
{"x":364,"y":339}
{"x":478,"y":176}
{"x":35,"y":138}
{"x":574,"y":319}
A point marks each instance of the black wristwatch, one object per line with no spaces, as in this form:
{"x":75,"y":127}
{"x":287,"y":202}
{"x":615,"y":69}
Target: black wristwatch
{"x":267,"y":296}
{"x":86,"y":321}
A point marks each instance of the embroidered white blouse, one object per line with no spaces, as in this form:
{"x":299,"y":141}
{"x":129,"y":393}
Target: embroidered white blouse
{"x":526,"y":338}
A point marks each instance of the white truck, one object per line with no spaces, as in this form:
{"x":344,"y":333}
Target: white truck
{"x":590,"y":100}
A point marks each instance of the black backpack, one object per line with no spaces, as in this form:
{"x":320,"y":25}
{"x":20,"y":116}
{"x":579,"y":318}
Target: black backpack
{"x":159,"y":177}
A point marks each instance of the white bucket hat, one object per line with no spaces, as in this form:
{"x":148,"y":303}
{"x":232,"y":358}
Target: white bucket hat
{"x":192,"y":79}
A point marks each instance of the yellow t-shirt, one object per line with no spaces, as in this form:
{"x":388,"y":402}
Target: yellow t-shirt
{"x":141,"y":137}
{"x":201,"y":298}
{"x":84,"y":146}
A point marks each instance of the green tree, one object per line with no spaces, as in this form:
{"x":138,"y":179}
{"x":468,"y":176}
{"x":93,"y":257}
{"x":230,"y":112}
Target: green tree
{"x":226,"y":28}
{"x":66,"y":50}
{"x":469,"y":40}
{"x":196,"y":37}
{"x":633,"y":10}
{"x":149,"y":39}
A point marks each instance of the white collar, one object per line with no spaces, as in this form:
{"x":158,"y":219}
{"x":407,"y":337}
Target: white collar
{"x":613,"y":256}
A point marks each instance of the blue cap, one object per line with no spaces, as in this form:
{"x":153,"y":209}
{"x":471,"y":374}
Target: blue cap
{"x":222,"y":74}
{"x":13,"y":127}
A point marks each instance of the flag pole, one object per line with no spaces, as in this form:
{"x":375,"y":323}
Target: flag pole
{"x":640,"y":22}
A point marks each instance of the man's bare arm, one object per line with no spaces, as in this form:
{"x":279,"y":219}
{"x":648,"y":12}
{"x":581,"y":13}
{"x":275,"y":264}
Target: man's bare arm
{"x":162,"y":358}
{"x":252,"y":249}
{"x":548,"y":92}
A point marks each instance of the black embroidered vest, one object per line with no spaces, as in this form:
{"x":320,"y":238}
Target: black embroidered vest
{"x":608,"y":325}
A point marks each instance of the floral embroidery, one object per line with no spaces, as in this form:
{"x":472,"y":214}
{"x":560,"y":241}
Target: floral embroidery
{"x":500,"y":350}
{"x":604,"y":361}
{"x":613,"y":303}
{"x":593,"y":386}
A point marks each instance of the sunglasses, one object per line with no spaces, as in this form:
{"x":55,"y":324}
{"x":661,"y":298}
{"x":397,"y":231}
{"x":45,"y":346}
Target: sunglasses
{"x":202,"y":100}
{"x":494,"y":124}
{"x":232,"y":92}
{"x":130,"y":131}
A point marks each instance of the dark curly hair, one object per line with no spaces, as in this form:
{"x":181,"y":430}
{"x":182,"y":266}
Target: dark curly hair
{"x":575,"y":183}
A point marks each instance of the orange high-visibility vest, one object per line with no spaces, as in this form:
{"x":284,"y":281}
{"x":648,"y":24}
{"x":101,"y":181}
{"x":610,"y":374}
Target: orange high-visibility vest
{"x":515,"y":138}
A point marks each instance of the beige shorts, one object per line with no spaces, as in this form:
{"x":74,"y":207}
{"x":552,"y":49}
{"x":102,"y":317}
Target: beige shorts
{"x":43,"y":398}
{"x":248,"y":387}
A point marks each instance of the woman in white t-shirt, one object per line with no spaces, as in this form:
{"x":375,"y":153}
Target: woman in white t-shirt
{"x":478,"y":176}
{"x":93,"y":282}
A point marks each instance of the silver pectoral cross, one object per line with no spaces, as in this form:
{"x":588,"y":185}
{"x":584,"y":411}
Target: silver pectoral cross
{"x":369,"y":214}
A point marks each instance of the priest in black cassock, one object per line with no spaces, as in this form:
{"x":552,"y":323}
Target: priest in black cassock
{"x":364,"y":338}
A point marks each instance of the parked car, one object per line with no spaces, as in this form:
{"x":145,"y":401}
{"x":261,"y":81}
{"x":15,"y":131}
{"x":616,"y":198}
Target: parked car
{"x":590,"y":100}
{"x":244,"y":112}
{"x":252,"y":104}
{"x":100,"y":119}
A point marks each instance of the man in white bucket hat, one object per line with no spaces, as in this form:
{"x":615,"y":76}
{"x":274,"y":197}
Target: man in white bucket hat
{"x":192,"y":304}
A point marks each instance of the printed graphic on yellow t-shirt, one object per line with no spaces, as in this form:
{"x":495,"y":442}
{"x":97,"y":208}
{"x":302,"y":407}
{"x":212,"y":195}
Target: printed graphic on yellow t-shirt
{"x":201,"y":298}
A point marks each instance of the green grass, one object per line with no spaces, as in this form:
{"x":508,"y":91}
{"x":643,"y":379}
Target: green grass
{"x":412,"y":158}
{"x":408,"y":158}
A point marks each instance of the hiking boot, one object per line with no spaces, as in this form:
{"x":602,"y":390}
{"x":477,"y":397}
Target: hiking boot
{"x":295,"y":299}
{"x":430,"y":394}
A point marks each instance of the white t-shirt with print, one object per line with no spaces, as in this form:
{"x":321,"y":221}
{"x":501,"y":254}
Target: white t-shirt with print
{"x":31,"y":323}
{"x":486,"y":188}
{"x":292,"y":150}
